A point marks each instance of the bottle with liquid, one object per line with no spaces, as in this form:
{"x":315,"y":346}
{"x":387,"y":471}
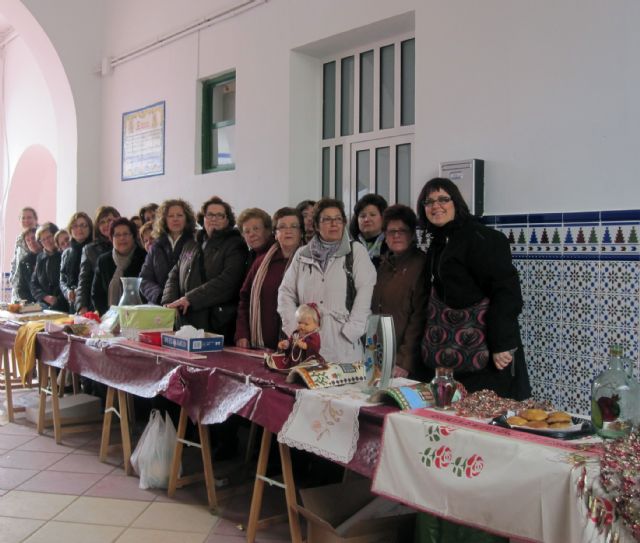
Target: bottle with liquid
{"x":443,"y":387}
{"x":612,"y":398}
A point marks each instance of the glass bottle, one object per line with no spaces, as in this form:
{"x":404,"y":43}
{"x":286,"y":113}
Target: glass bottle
{"x":443,"y":387}
{"x":611,"y":398}
{"x":130,"y":291}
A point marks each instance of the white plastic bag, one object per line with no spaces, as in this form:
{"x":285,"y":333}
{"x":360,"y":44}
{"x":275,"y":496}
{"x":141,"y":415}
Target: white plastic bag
{"x":153,"y":455}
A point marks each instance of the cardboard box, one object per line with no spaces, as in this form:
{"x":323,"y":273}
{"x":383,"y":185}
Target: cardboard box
{"x":207,"y":344}
{"x":350,"y":513}
{"x":74,"y":408}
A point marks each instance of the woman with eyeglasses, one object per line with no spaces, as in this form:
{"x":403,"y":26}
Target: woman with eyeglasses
{"x":45,"y":281}
{"x":366,"y":225}
{"x":400,"y":289}
{"x":124,"y":260}
{"x":338,"y":276}
{"x":255,"y":226}
{"x":204,"y":284}
{"x":469,"y":269}
{"x":174,"y":225}
{"x":258,"y":322}
{"x":101,"y":244}
{"x":80,"y":226}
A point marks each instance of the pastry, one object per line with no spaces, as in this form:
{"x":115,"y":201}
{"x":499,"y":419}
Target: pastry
{"x":516,"y":421}
{"x":533,"y":414}
{"x":558,"y":425}
{"x":559,"y":416}
{"x":537,"y":424}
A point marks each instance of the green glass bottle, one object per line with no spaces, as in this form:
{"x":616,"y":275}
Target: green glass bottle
{"x":611,"y":397}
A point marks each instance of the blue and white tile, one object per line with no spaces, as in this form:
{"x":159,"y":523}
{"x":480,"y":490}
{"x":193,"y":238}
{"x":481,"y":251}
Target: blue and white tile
{"x":579,"y":340}
{"x":546,"y":336}
{"x":621,"y":277}
{"x":545,"y":305}
{"x":582,"y":275}
{"x":579,"y":308}
{"x":626,"y":337}
{"x":618,"y":310}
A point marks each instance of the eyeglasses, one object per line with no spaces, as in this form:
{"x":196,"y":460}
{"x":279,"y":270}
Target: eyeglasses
{"x":331,"y":220}
{"x":212,"y":216}
{"x":442,"y":200}
{"x":288,"y":227}
{"x":398,"y":232}
{"x":122,"y":235}
{"x":79,"y":225}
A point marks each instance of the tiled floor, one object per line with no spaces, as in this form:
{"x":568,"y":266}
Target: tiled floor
{"x":51,"y":493}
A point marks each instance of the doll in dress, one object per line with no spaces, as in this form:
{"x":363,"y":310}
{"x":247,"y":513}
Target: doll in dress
{"x":304,"y":343}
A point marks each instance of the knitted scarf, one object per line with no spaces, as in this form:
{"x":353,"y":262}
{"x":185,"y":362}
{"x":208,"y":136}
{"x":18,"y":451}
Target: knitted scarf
{"x":322,"y":251}
{"x":255,"y":320}
{"x":115,"y":285}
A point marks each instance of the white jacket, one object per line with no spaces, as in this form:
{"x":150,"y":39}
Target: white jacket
{"x":305,"y":282}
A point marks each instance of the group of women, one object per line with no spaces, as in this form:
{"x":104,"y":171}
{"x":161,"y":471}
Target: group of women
{"x":246,"y":280}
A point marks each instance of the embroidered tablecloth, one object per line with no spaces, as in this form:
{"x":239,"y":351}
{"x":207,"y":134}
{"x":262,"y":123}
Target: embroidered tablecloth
{"x":507,"y":482}
{"x":325,"y":421}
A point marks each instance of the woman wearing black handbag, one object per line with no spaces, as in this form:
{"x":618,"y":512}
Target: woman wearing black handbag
{"x":469,"y":264}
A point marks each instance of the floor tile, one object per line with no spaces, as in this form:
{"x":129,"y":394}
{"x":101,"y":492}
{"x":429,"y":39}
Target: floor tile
{"x":34,"y":505}
{"x":61,"y":482}
{"x":15,"y":429}
{"x":138,"y":535}
{"x":9,"y":441}
{"x":45,"y":444}
{"x":115,"y":486}
{"x":179,"y":517}
{"x":11,"y":478}
{"x":82,"y":463}
{"x":29,"y":459}
{"x":71,"y":532}
{"x":3,"y":491}
{"x":102,"y":511}
{"x":14,"y":530}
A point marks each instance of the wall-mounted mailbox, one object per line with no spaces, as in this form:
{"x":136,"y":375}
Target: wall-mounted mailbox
{"x":469,"y":176}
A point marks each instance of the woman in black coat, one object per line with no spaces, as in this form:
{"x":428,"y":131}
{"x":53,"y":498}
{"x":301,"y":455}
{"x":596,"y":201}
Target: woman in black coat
{"x":205,"y":283}
{"x":26,"y":266}
{"x":466,"y":263}
{"x":124,"y":260}
{"x":80,"y":226}
{"x":174,"y":225}
{"x":101,"y":244}
{"x":45,"y":281}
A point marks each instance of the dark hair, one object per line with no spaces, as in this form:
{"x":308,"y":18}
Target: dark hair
{"x":35,"y":214}
{"x":101,"y":213}
{"x":123,"y":221}
{"x":302,"y":206}
{"x":440,"y":183}
{"x":400,"y":212}
{"x":81,"y":215}
{"x":220,"y":202}
{"x":149,"y":207}
{"x":160,"y":222}
{"x":254,"y":213}
{"x":325,"y":203}
{"x":366,"y":200}
{"x":288,"y":212}
{"x":46,"y":227}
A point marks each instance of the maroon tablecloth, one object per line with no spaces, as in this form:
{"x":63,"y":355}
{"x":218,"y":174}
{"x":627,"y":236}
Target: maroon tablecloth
{"x":210,"y":389}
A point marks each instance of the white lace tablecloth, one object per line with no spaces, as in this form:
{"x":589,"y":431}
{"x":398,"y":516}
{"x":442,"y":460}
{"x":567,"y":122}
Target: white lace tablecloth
{"x":325,"y":422}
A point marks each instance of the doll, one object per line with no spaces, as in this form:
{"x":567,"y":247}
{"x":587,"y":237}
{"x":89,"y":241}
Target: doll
{"x":304,"y":344}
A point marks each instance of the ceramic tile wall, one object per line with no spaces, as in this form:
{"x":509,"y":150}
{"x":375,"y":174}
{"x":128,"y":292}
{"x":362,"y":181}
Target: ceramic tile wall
{"x":580,"y":276}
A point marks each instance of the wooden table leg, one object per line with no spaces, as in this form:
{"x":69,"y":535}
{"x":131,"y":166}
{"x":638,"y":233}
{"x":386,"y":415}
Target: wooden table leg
{"x":209,"y":479}
{"x":177,"y":454}
{"x":290,"y":493}
{"x":55,"y":404}
{"x":106,"y":424}
{"x":258,"y":486}
{"x":124,"y":431}
{"x":6,"y":364}
{"x":42,"y":407}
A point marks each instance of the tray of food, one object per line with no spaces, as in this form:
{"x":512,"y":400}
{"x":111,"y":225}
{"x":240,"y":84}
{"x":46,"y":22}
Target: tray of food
{"x":556,"y":424}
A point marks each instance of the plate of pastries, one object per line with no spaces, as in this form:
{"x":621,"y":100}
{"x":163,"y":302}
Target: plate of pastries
{"x":546,"y":422}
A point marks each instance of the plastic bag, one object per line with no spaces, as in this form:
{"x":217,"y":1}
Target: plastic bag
{"x":153,"y":455}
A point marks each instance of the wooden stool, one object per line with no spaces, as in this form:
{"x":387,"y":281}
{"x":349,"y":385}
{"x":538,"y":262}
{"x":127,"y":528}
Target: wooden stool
{"x":125,"y":433}
{"x":11,"y":380}
{"x":175,"y":481}
{"x":255,"y":522}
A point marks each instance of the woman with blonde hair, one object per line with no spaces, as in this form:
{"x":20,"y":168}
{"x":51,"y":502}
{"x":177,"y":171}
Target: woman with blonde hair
{"x":175,"y":224}
{"x":45,"y":281}
{"x":81,"y":228}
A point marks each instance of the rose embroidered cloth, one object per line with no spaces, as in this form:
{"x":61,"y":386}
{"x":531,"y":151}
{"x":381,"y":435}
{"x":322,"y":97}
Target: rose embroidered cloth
{"x":325,"y":422}
{"x":504,"y":481}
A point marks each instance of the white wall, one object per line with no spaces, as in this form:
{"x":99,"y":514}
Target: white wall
{"x":545,"y":92}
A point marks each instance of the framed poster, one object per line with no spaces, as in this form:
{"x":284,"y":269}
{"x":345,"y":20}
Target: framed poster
{"x":143,"y":142}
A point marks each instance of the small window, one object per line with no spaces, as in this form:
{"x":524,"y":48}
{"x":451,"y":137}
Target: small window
{"x":219,"y":123}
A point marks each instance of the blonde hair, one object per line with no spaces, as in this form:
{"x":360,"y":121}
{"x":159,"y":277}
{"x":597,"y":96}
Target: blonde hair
{"x":311,"y":311}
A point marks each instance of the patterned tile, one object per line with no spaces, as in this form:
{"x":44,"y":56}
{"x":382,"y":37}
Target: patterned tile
{"x":545,"y":305}
{"x":618,"y":310}
{"x":582,"y":275}
{"x":627,"y":338}
{"x":620,"y":277}
{"x":579,"y":308}
{"x":546,"y":336}
{"x":579,"y":340}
